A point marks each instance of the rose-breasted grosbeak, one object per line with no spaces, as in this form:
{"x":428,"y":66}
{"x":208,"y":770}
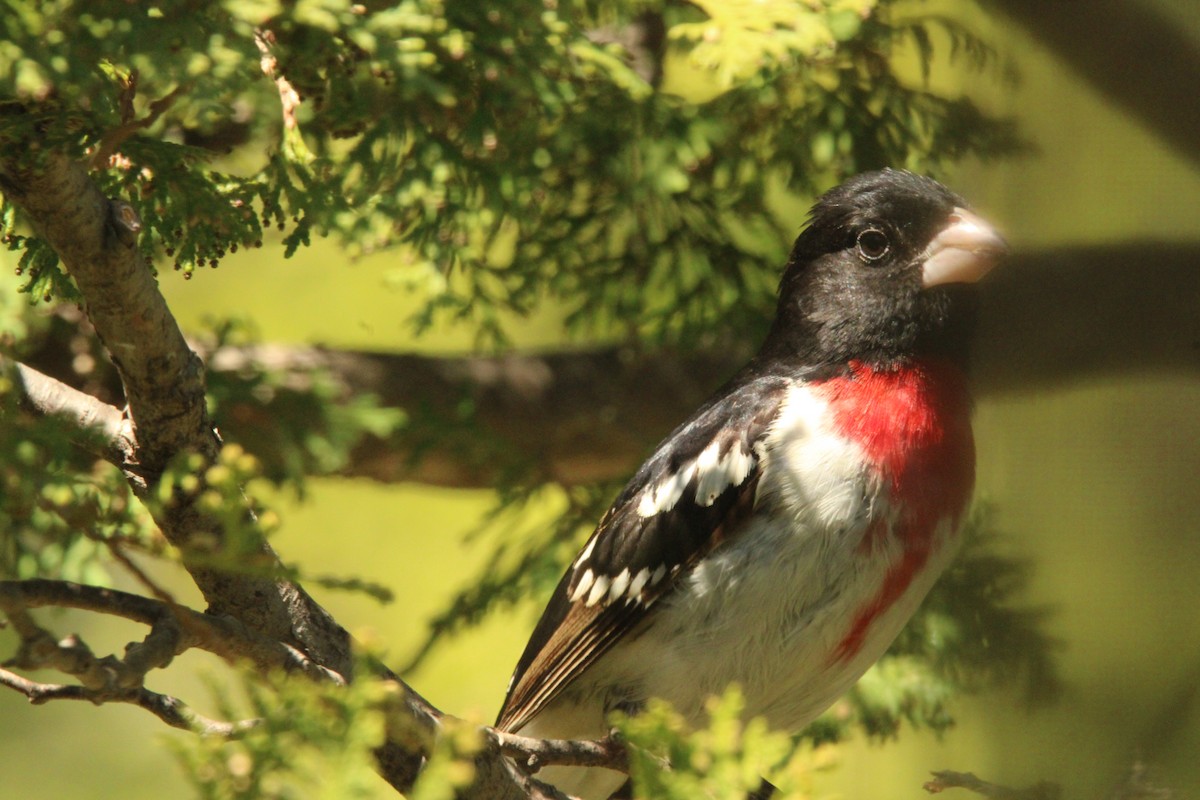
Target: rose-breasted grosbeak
{"x":783,"y":535}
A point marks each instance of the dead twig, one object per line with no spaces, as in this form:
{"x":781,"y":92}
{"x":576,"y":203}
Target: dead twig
{"x":170,"y":710}
{"x":112,"y":140}
{"x":948,"y":779}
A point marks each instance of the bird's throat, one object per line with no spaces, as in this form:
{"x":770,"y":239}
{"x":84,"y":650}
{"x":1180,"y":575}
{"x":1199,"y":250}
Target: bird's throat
{"x":912,"y":420}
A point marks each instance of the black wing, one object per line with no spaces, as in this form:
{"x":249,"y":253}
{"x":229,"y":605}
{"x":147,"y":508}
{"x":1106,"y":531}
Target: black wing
{"x":691,"y":495}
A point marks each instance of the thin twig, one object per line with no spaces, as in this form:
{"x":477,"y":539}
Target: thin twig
{"x":113,"y":139}
{"x":170,"y":710}
{"x":949,"y":779}
{"x":289,"y":98}
{"x":533,"y":754}
{"x":118,"y":552}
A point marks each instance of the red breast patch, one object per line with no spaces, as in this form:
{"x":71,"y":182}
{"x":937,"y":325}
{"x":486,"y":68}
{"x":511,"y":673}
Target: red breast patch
{"x":913,"y":423}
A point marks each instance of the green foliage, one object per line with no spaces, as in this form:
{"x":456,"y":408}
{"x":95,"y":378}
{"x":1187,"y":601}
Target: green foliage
{"x":735,"y":39}
{"x":47,"y":279}
{"x":513,"y":154}
{"x":310,"y":740}
{"x":315,"y":740}
{"x":724,"y":761}
{"x":296,"y":425}
{"x":16,"y":323}
{"x":899,"y":689}
{"x":449,"y":767}
{"x":218,"y":490}
{"x":59,"y":510}
{"x":223,"y":491}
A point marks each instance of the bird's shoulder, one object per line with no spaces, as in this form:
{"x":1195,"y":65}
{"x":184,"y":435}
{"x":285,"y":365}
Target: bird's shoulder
{"x":675,"y":503}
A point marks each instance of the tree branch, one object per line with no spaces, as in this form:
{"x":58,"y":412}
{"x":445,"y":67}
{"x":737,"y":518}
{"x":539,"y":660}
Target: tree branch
{"x":163,"y":383}
{"x":224,"y":637}
{"x":175,"y":628}
{"x":289,"y":98}
{"x":169,"y":709}
{"x":100,"y":428}
{"x":1048,"y":320}
{"x":163,"y":379}
{"x":534,"y":754}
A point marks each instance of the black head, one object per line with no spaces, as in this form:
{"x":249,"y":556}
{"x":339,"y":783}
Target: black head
{"x":867,"y":278}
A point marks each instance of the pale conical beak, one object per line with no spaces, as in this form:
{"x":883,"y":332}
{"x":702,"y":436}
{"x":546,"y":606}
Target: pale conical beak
{"x":963,"y":251}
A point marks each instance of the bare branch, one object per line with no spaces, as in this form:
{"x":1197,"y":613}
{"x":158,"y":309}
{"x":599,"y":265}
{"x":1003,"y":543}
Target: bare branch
{"x":162,"y":378}
{"x":39,"y":593}
{"x":534,"y":754}
{"x":100,"y":428}
{"x":101,"y":680}
{"x":222,"y":636}
{"x":948,"y":779}
{"x":169,"y":709}
{"x":494,"y":769}
{"x":289,"y":98}
{"x":178,"y":714}
{"x":112,"y":140}
{"x":226,"y":637}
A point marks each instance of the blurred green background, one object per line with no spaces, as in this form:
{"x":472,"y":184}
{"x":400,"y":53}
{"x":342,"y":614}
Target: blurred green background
{"x":1095,"y":485}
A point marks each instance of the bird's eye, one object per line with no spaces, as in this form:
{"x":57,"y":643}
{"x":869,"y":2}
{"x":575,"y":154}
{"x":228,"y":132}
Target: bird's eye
{"x":873,"y":244}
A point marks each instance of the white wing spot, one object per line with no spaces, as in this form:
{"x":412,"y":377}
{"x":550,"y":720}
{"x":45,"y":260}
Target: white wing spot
{"x":658,"y":575}
{"x":585,"y":583}
{"x":619,"y":585}
{"x":599,"y":589}
{"x":666,"y":493}
{"x":587,"y":552}
{"x":718,"y":474}
{"x":639,"y":582}
{"x":713,"y":472}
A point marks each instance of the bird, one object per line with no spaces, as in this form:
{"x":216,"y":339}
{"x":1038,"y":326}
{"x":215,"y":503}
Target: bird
{"x":784,"y":533}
